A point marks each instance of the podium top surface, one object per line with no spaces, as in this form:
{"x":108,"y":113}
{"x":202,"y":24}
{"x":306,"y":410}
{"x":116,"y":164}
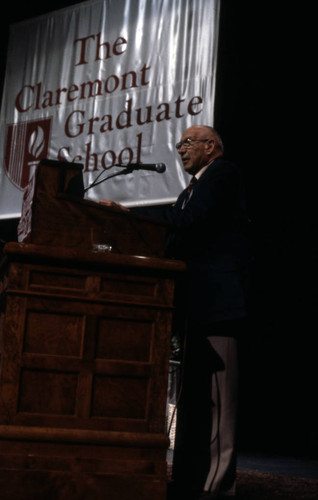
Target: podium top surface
{"x":30,"y":251}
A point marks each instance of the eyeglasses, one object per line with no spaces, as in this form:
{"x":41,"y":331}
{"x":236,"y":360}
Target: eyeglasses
{"x":187,"y":143}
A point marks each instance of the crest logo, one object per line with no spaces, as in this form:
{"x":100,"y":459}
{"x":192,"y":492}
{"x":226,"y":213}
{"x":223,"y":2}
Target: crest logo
{"x":27,"y":143}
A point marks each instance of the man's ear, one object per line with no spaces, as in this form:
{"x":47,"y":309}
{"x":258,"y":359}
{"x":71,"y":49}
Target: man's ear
{"x":211,"y":145}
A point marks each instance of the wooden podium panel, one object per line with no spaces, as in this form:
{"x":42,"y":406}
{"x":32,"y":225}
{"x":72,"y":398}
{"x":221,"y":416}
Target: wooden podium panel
{"x":83,"y":377}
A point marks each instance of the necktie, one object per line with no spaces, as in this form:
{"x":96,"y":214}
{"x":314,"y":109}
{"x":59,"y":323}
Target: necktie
{"x":189,"y":191}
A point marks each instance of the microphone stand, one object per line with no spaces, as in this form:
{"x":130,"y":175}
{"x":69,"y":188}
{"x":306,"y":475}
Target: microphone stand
{"x":127,"y":170}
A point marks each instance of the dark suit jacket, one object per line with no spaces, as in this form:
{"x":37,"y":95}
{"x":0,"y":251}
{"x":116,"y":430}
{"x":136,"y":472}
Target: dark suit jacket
{"x":210,"y":234}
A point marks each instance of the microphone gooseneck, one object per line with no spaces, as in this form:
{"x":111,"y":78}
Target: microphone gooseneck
{"x":154,"y":167}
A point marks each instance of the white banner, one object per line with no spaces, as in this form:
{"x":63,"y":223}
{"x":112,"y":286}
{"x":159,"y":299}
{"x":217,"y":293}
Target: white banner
{"x":107,"y":82}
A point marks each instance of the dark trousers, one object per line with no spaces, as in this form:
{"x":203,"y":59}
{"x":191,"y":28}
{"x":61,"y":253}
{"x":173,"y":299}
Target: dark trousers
{"x":205,"y":442}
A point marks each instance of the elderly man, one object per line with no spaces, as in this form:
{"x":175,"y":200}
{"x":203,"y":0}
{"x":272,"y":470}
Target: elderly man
{"x":209,"y":232}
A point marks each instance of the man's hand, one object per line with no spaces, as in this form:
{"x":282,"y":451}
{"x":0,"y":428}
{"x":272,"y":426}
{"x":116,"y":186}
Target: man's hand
{"x":113,"y":204}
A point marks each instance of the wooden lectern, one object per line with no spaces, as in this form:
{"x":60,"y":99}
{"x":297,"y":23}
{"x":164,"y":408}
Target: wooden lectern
{"x":85,"y":341}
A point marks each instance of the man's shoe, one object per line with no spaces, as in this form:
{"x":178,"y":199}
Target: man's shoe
{"x":216,"y":496}
{"x":175,"y":492}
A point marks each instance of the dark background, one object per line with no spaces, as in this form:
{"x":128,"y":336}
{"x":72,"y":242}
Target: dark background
{"x":264,"y":111}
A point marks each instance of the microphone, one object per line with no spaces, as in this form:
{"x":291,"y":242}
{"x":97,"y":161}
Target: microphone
{"x":154,"y":167}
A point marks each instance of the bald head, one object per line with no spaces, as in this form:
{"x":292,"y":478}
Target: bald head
{"x":199,"y":145}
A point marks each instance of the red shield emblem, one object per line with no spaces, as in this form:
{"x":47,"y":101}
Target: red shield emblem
{"x":27,"y":143}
